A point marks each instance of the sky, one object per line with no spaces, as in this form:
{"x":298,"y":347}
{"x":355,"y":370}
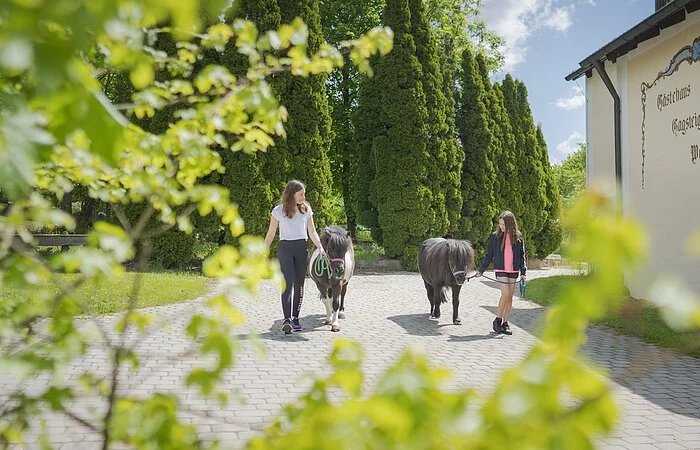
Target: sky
{"x":545,"y":41}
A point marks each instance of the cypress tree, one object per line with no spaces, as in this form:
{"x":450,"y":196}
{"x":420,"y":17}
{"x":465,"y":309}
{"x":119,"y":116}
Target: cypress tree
{"x":343,"y":20}
{"x":531,"y":173}
{"x":264,"y":13}
{"x":548,"y":238}
{"x":477,"y":170}
{"x":399,"y":189}
{"x":436,"y":103}
{"x":519,"y":187}
{"x":367,"y":126}
{"x":507,"y":184}
{"x":453,"y":150}
{"x":308,"y":126}
{"x":253,"y":180}
{"x":341,"y":152}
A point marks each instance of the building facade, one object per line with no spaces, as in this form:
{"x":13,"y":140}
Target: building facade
{"x":643,"y":134}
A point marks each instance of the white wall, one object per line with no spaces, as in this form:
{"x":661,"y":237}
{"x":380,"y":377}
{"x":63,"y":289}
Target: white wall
{"x":600,"y":132}
{"x":668,"y":203}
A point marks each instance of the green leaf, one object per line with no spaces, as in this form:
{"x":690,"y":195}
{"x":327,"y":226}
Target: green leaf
{"x":56,"y":397}
{"x":221,"y":263}
{"x":204,"y":379}
{"x":113,"y":239}
{"x":77,"y":110}
{"x":22,"y":138}
{"x":220,"y":345}
{"x":142,"y":75}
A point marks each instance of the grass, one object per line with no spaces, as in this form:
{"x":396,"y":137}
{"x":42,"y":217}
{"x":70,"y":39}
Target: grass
{"x":634,"y":318}
{"x":371,"y":252}
{"x":113,"y":295}
{"x":363,"y":234}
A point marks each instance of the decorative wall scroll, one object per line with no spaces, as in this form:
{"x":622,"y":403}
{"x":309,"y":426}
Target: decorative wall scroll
{"x":679,"y":126}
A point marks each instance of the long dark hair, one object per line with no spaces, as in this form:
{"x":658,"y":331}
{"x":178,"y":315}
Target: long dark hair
{"x":289,"y":206}
{"x":511,"y":228}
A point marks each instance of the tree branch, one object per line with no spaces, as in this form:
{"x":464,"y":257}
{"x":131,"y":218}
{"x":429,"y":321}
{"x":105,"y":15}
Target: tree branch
{"x":81,"y":421}
{"x":141,"y":224}
{"x":158,"y":231}
{"x":121,"y":216}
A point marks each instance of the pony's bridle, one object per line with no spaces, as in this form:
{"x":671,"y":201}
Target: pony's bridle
{"x":340,"y":260}
{"x":465,"y":272}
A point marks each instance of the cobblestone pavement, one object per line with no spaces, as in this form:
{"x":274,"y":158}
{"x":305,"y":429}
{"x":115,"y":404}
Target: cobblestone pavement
{"x":658,"y":391}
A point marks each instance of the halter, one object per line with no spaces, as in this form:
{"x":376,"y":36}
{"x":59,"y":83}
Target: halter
{"x":459,"y":272}
{"x":340,"y":260}
{"x":322,"y":264}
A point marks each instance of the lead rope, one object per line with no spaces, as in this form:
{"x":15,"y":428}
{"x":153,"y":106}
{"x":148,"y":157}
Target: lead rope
{"x":322,"y":264}
{"x":521,"y":281}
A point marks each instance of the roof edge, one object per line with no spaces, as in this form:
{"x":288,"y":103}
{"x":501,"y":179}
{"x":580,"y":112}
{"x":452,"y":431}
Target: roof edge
{"x":646,"y":29}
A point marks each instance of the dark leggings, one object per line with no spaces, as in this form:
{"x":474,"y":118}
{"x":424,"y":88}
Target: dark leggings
{"x":292,"y":256}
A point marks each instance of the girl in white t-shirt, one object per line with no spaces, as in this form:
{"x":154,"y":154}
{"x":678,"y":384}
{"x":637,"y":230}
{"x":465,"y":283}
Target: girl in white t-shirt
{"x":295,"y":220}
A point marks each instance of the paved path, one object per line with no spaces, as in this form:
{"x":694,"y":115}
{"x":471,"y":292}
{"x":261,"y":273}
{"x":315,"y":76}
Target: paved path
{"x":658,"y":391}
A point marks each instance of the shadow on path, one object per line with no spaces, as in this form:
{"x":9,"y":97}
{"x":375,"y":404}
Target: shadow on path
{"x":662,"y":376}
{"x":310,"y":324}
{"x":476,"y":337}
{"x":421,"y":324}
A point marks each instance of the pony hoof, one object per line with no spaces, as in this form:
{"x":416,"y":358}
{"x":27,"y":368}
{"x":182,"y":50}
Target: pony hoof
{"x":335,"y":328}
{"x":341,"y":315}
{"x":457,"y":321}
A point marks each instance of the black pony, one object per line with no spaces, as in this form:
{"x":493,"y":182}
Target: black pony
{"x":332,"y":274}
{"x":445,"y":263}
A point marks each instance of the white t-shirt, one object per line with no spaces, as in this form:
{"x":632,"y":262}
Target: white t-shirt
{"x":294,"y":228}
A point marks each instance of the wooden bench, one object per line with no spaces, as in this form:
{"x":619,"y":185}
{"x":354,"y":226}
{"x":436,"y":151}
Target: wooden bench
{"x":54,"y":240}
{"x":59,"y":240}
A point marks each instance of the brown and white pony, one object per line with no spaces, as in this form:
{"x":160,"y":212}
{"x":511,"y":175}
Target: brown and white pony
{"x":333,"y":274}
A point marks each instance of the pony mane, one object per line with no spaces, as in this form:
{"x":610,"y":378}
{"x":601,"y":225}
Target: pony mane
{"x":459,"y":252}
{"x":336,"y":238}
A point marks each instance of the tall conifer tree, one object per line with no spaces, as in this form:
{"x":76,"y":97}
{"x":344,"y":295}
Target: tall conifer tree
{"x":507,"y":186}
{"x":367,"y":126}
{"x":400,"y":189}
{"x":531,"y":173}
{"x":548,"y":238}
{"x":477,"y":171}
{"x":308,"y":127}
{"x":520,"y":187}
{"x":344,"y":20}
{"x":453,"y":150}
{"x":253,"y":180}
{"x":439,"y":143}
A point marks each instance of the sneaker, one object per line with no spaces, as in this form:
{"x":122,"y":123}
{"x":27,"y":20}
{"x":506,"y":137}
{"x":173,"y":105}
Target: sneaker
{"x":287,"y":326}
{"x":296,"y":326}
{"x":505,"y":329}
{"x":497,"y":324}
